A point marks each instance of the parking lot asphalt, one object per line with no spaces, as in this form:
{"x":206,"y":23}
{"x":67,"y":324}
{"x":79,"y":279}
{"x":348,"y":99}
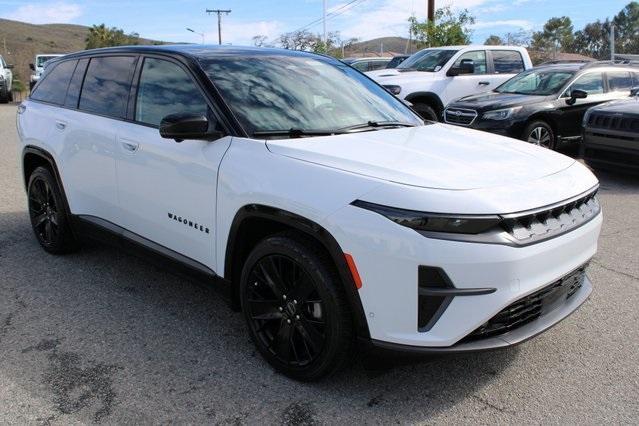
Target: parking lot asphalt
{"x":99,"y":336}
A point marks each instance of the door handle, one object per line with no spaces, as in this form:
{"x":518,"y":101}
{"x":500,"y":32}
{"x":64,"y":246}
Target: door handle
{"x":60,"y":125}
{"x":484,"y":83}
{"x":130,"y":146}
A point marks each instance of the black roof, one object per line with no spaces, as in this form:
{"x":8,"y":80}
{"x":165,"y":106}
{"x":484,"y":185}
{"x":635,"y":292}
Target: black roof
{"x":196,"y":51}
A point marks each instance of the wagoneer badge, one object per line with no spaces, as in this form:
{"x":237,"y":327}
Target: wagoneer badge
{"x":189,"y":223}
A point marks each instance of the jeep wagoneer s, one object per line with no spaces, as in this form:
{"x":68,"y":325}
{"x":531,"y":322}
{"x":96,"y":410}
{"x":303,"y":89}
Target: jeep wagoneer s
{"x":334,"y":216}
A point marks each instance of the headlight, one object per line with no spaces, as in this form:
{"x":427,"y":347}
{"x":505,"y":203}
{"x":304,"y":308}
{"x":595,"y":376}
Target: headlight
{"x":434,"y":222}
{"x":395,"y":90}
{"x":501,"y":114}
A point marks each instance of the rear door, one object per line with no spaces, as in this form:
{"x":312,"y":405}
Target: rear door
{"x":504,"y":64}
{"x":167,"y":190}
{"x":89,"y":132}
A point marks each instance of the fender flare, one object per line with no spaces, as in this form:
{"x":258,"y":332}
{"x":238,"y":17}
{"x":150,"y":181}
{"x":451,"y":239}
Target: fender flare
{"x":314,"y":231}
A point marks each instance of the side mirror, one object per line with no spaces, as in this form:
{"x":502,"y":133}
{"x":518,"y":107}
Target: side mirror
{"x":32,"y":67}
{"x":576,"y":94}
{"x":183,"y":126}
{"x":10,"y":66}
{"x":467,"y":66}
{"x":634,"y":91}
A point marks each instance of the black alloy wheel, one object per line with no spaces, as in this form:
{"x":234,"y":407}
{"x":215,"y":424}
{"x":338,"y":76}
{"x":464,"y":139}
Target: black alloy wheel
{"x":48,"y":213}
{"x":286,"y":310}
{"x":294,"y":308}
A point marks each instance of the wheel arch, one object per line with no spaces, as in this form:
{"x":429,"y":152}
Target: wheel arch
{"x":428,"y":98}
{"x":34,"y":157}
{"x":254,"y":222}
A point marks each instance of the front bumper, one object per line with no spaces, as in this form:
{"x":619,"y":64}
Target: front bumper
{"x":505,"y":340}
{"x":388,"y":257}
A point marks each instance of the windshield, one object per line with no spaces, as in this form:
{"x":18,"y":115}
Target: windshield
{"x":430,"y":60}
{"x":41,"y":60}
{"x":307,"y":93}
{"x":536,"y":82}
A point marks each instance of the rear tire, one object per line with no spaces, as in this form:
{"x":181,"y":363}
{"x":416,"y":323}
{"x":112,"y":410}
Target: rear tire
{"x":426,"y":112}
{"x":541,"y":134}
{"x":4,"y":97}
{"x":295,"y":308}
{"x":49,"y":214}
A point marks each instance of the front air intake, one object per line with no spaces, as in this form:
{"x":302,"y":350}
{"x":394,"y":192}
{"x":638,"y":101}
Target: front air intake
{"x":431,"y":306}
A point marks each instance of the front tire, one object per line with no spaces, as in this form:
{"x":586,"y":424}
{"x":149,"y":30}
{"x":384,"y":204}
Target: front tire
{"x":541,"y":134}
{"x":295,"y":309}
{"x":426,"y":112}
{"x":48,"y":213}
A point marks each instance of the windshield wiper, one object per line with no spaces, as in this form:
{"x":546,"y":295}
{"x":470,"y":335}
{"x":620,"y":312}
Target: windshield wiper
{"x":375,"y":125}
{"x":295,"y":133}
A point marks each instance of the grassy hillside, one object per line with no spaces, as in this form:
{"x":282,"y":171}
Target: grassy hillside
{"x":391,"y":44}
{"x":24,"y":41}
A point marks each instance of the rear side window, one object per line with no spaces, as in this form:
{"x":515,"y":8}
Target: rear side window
{"x":106,"y":85}
{"x":376,"y":65}
{"x":54,"y":85}
{"x":507,"y":62}
{"x":620,"y":81}
{"x":165,"y":88}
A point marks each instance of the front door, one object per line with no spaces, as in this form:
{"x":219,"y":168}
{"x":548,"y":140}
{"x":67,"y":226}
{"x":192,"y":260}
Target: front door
{"x":468,"y":84}
{"x":571,"y":114}
{"x":166,"y":189}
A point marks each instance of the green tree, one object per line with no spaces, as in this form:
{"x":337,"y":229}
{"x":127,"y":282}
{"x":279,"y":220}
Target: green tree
{"x":556,"y":36}
{"x":594,"y":40}
{"x":102,"y":36}
{"x":627,"y":29}
{"x":448,"y":29}
{"x":494,"y":40}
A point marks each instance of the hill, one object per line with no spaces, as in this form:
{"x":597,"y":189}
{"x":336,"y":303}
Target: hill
{"x":374,"y":47}
{"x":20,"y":42}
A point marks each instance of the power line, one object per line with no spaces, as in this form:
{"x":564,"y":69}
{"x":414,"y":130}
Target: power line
{"x":342,"y":9}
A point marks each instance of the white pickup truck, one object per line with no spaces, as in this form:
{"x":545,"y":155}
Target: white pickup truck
{"x":432,"y":78}
{"x":6,"y":81}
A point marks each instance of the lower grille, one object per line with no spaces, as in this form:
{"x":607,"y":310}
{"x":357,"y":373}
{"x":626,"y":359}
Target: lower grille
{"x":459,"y":116}
{"x":531,"y":307}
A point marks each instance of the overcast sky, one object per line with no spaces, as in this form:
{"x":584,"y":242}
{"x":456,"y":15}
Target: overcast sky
{"x":364,"y":19}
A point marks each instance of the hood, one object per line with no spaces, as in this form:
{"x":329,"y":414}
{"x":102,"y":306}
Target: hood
{"x":494,"y":100}
{"x":396,"y":75}
{"x":628,"y":106}
{"x":432,"y":156}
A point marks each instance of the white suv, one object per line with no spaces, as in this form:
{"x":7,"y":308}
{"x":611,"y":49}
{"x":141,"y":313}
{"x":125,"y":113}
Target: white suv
{"x":6,"y":81}
{"x":432,"y":78}
{"x":329,"y":211}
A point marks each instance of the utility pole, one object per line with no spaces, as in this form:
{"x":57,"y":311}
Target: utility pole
{"x":431,"y":10}
{"x":324,"y":21}
{"x":612,"y":41}
{"x":219,"y":21}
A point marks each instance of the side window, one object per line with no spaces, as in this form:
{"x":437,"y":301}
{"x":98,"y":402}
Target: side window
{"x":589,"y":83}
{"x":106,"y":85}
{"x":165,"y":88}
{"x":620,"y":81}
{"x":73,"y":93}
{"x":507,"y":61}
{"x":479,"y":59}
{"x":376,"y":65}
{"x":361,"y":66}
{"x":53,"y":87}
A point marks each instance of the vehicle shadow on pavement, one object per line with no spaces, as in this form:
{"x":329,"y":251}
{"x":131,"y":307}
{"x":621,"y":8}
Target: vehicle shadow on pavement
{"x":107,"y":336}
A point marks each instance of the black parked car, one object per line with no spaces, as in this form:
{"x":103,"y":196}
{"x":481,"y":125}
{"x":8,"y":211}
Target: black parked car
{"x":544,"y":105}
{"x":611,"y":135}
{"x":397,"y":59}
